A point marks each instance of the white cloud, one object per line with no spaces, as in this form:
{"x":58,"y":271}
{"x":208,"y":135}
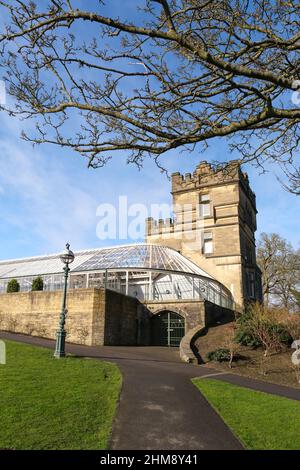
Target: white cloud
{"x":57,"y":196}
{"x":51,"y":204}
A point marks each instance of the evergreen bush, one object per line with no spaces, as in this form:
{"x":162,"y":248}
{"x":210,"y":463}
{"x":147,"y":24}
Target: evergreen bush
{"x":13,"y":286}
{"x":37,"y":284}
{"x":219,"y":355}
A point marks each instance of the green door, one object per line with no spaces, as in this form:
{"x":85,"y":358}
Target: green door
{"x":168,"y":329}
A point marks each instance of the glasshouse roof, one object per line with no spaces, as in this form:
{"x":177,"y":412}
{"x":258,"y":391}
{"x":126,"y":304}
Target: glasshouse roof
{"x":139,"y":256}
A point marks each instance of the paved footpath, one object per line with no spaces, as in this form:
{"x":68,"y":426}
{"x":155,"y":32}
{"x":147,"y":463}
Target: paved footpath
{"x":160,"y":408}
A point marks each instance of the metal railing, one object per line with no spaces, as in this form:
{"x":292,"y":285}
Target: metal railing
{"x":144,"y":285}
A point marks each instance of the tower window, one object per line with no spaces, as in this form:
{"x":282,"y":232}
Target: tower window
{"x":205,"y":205}
{"x":249,"y":254}
{"x":207,"y":243}
{"x":252,"y":285}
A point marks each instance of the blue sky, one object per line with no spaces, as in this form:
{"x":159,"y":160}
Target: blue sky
{"x":48,"y":196}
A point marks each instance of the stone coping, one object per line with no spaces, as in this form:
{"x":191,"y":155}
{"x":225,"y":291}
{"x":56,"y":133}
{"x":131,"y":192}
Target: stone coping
{"x":185,"y":347}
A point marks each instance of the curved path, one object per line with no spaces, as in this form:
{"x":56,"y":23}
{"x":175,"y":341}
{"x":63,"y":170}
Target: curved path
{"x":159,"y":406}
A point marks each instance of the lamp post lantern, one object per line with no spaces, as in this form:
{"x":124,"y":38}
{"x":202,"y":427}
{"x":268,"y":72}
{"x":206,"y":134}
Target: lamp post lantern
{"x":67,"y":257}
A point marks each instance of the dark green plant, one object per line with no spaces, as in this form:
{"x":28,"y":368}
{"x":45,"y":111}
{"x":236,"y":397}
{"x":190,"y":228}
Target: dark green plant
{"x":13,"y":286}
{"x":244,"y":335}
{"x":283,"y":334}
{"x":245,"y":338}
{"x":219,"y":355}
{"x":37,"y":284}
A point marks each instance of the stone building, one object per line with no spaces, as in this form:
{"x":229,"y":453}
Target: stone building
{"x":193,"y":271}
{"x":214,"y":226}
{"x":123,"y":295}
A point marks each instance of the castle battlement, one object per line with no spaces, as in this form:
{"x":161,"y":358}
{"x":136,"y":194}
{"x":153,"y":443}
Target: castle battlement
{"x":206,"y":175}
{"x":159,"y":226}
{"x":214,"y":226}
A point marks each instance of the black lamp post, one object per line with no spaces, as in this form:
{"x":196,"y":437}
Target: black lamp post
{"x":67,"y":257}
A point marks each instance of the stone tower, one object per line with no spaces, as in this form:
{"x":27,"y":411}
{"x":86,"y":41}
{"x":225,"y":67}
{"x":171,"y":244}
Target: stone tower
{"x":214,"y":226}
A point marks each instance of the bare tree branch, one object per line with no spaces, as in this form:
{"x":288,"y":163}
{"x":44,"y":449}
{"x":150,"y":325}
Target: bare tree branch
{"x":186,"y":72}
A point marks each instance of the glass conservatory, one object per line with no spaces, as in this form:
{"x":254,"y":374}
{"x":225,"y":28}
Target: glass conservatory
{"x":148,"y":272}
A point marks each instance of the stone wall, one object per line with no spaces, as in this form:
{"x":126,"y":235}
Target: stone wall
{"x":37,"y":314}
{"x":214,"y":314}
{"x":193,"y":311}
{"x":121,"y":324}
{"x":95,"y":316}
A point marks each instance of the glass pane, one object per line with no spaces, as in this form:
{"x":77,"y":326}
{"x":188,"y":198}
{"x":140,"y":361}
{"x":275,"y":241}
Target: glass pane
{"x":208,"y":246}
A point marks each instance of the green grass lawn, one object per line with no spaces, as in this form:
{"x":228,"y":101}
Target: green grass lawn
{"x":259,"y":420}
{"x":48,"y":403}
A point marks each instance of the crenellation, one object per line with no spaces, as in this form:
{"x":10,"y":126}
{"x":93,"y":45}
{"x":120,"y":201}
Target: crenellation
{"x":215,"y":201}
{"x":244,"y":179}
{"x":205,"y":174}
{"x":154,"y":227}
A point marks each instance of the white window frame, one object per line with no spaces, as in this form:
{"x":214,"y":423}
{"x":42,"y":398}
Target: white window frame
{"x":205,"y":205}
{"x":208,"y":247}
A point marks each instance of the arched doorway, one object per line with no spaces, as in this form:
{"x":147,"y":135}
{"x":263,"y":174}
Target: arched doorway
{"x":167,"y":329}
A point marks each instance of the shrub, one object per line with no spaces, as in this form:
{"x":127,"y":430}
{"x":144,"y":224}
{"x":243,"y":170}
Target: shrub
{"x":256,"y":320}
{"x":37,"y":284}
{"x":296,"y":295}
{"x":292,"y":325}
{"x":244,"y":334}
{"x":230,"y":342}
{"x":266,"y":324}
{"x":246,"y":338}
{"x":282,"y":332}
{"x":219,"y":355}
{"x":13,"y":286}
